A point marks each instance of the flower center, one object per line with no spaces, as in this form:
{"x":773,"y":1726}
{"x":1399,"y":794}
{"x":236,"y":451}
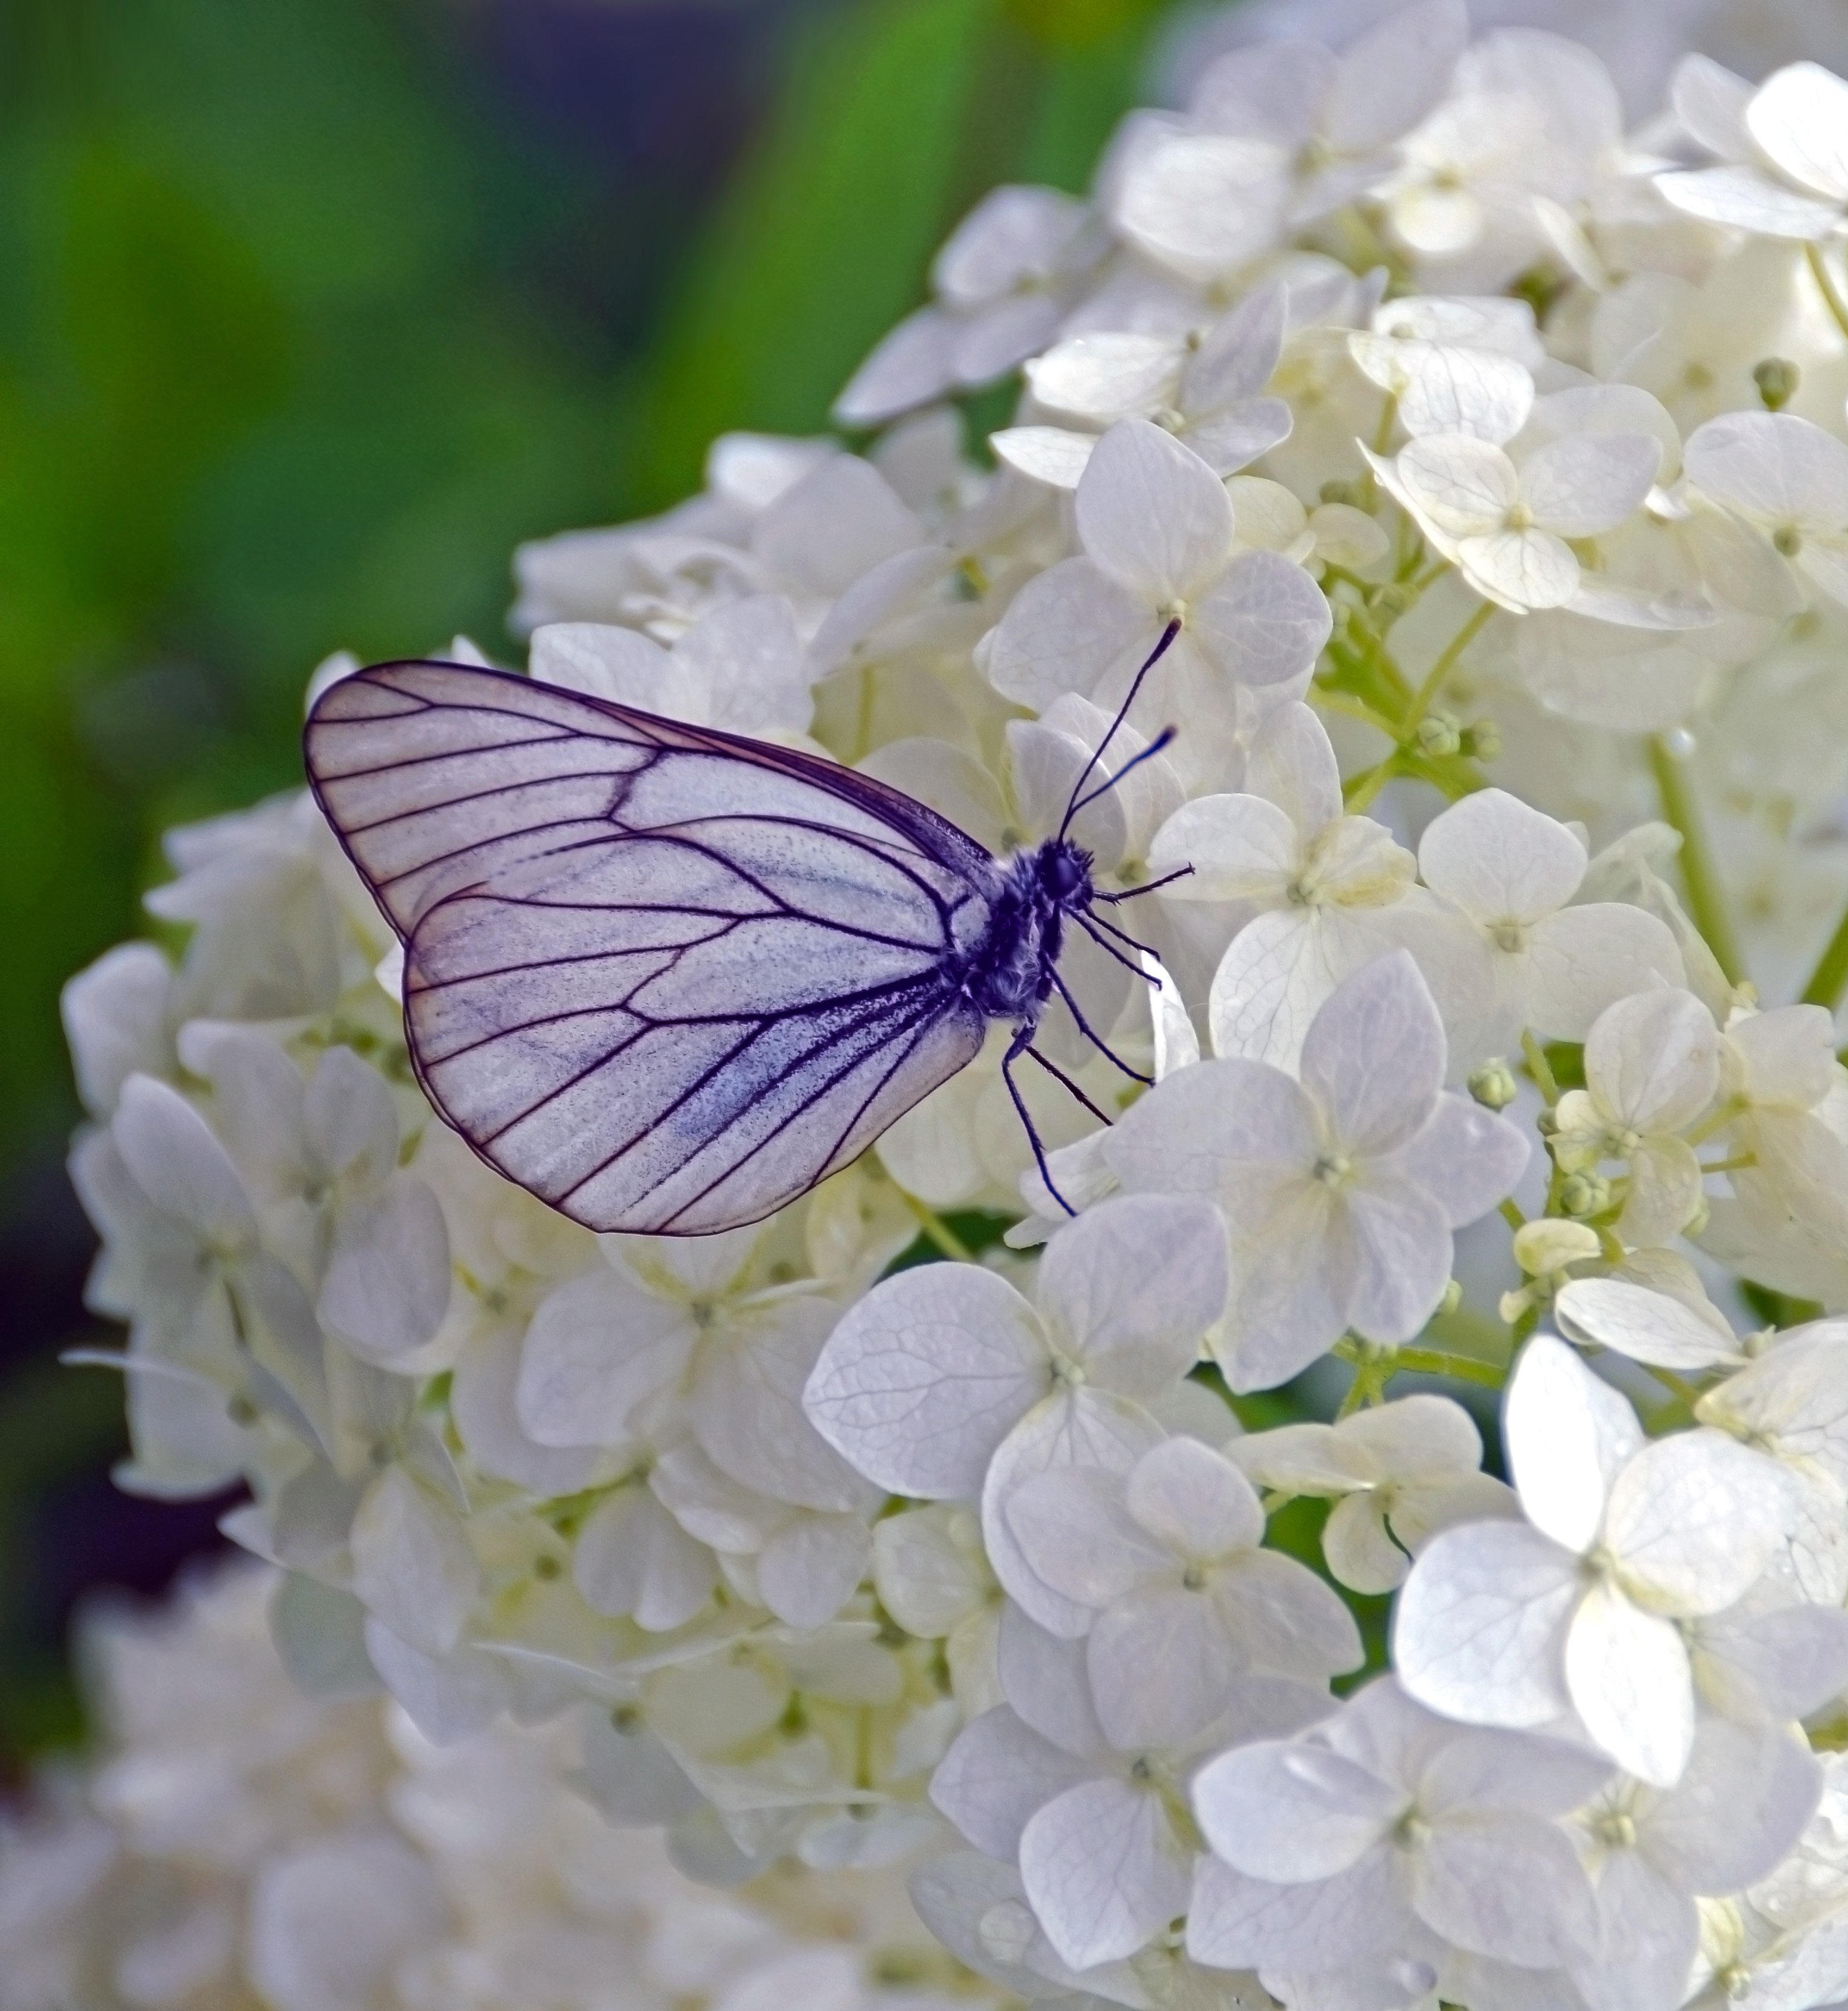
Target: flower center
{"x":1333,"y":1169}
{"x":1510,"y":936}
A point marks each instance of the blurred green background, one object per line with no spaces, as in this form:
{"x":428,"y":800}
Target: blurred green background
{"x":310,"y":310}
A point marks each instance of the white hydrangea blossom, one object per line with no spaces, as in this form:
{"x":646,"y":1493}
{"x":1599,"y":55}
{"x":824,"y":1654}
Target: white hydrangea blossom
{"x":1489,"y":468}
{"x":238,"y":1844}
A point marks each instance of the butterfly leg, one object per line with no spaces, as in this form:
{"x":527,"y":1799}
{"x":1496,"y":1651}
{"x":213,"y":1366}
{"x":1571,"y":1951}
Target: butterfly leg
{"x":1059,"y":1075}
{"x":1136,"y":893}
{"x":1022,"y":1043}
{"x":1085,"y":1027}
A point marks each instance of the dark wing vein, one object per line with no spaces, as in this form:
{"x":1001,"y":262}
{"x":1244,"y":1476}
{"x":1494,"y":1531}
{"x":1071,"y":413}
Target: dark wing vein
{"x":665,"y":977}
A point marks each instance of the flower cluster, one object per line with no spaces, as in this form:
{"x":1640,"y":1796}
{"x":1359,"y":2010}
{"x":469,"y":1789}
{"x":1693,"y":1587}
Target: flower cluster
{"x":1488,"y":464}
{"x":238,"y":1844}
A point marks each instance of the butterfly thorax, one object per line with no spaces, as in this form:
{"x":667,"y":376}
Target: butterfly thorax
{"x":1009,"y":974}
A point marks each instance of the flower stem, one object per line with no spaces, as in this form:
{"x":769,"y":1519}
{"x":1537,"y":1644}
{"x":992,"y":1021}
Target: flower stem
{"x":1707,"y":900}
{"x":1829,"y":977}
{"x":1540,"y":1068}
{"x":939,"y":1232}
{"x":1433,"y":683}
{"x":1464,"y":1368}
{"x":1825,"y":285}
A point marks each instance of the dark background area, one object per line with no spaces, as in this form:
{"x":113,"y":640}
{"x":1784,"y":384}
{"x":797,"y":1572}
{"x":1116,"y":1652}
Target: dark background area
{"x":309,"y":310}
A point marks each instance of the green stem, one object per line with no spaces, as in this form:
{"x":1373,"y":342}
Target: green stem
{"x":1540,"y":1068}
{"x":1707,"y":900}
{"x":1356,"y":795}
{"x":1825,"y":285}
{"x":1512,"y":1216}
{"x":1354,"y":708}
{"x":939,"y":1232}
{"x":1465,"y":1369}
{"x":1828,"y":979}
{"x":1433,"y":683}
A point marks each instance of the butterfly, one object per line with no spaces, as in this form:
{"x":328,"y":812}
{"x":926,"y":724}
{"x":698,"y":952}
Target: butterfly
{"x":668,"y":979}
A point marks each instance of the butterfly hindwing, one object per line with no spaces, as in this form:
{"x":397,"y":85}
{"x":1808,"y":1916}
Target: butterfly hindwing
{"x":664,"y":978}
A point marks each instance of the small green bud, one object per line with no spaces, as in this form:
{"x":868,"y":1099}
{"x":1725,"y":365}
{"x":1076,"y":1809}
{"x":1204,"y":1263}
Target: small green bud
{"x":1483,"y":740}
{"x":1493,"y":1086}
{"x":1391,"y":600}
{"x":1585,"y":1193}
{"x":1453,"y":1297}
{"x":1439,"y":734}
{"x":1342,"y":492}
{"x":1777,"y":379}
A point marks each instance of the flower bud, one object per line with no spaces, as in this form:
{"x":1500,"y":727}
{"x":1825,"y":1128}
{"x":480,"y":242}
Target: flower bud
{"x":1453,"y":1297}
{"x":1483,"y":740}
{"x":1548,"y":1245}
{"x":1777,"y":379}
{"x":1585,"y":1193}
{"x":1439,"y":734}
{"x":1493,"y":1086}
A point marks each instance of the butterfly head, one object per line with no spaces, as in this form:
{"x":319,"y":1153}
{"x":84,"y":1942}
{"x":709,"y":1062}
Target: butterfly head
{"x":1063,"y":872}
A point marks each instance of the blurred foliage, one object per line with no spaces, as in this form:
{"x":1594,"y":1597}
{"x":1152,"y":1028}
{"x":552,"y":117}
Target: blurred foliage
{"x":303,"y":323}
{"x":897,"y":116}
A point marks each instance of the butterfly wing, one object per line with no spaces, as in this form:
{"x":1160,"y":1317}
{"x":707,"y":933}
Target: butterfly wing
{"x":665,"y":978}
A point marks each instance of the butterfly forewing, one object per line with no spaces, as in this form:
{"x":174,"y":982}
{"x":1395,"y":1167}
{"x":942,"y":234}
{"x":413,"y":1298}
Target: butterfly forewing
{"x":666,"y":979}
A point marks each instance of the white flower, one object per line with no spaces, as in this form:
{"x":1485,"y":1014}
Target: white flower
{"x":1648,"y":1326}
{"x":1342,"y":1190}
{"x":1310,"y":879}
{"x":1204,"y":388}
{"x":1002,"y":280}
{"x":1503,"y":1623}
{"x":1652,"y":1066}
{"x":1396,"y":1474}
{"x":1167,"y":1559}
{"x":1099,"y":1829}
{"x":1788,"y":478}
{"x":1742,"y":1804}
{"x":740,"y":668}
{"x":945,"y":1383}
{"x":1441,"y":387}
{"x":1156,"y":526}
{"x":1530,"y":114}
{"x":1791,"y":177}
{"x":321,"y":1158}
{"x":1505,"y":524}
{"x":115,"y":1017}
{"x":1792,"y":1405}
{"x":1277,"y":136}
{"x":182,"y":1259}
{"x":1384,"y":1835}
{"x":686,"y":1322}
{"x":1508,"y":873}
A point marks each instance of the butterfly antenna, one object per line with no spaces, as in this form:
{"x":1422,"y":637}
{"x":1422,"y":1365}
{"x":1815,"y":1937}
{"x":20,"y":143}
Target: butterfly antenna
{"x":1164,"y":739}
{"x":1154,"y":657}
